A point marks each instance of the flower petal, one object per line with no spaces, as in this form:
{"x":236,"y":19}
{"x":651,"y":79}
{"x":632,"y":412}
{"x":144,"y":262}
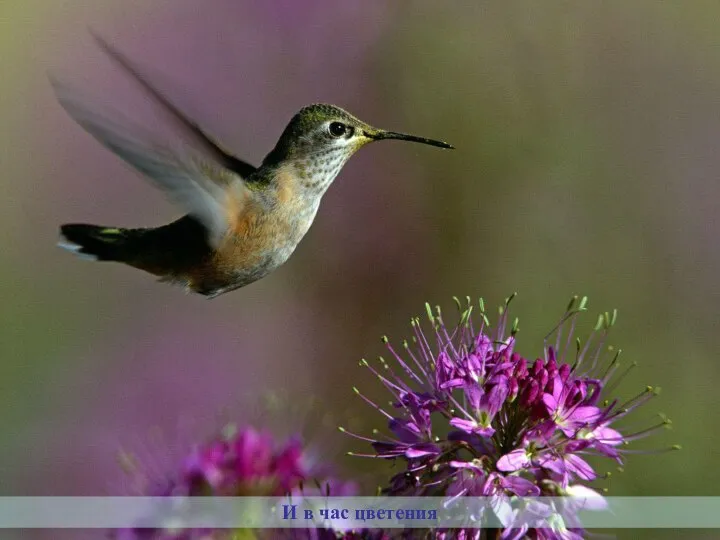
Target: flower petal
{"x":421,"y":450}
{"x":578,"y":466}
{"x":468,"y":426}
{"x":588,"y":499}
{"x":583,"y":416}
{"x":521,"y":487}
{"x":514,"y":461}
{"x":551,"y":403}
{"x":608,"y":436}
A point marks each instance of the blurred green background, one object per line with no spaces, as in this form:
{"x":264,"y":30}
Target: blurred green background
{"x":587,"y":162}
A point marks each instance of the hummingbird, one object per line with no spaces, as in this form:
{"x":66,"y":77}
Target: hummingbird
{"x":242,"y":222}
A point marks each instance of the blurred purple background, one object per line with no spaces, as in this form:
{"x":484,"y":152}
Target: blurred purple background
{"x":586,"y":163}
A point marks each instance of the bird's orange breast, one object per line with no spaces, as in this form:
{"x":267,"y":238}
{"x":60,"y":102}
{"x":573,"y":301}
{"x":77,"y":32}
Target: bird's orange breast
{"x":262,"y":235}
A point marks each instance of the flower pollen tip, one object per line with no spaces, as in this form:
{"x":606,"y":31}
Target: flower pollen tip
{"x":429,"y":312}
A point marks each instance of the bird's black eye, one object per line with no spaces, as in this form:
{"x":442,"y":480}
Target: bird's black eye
{"x":337,"y":129}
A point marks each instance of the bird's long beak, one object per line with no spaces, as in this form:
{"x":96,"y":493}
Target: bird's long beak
{"x":381,"y":134}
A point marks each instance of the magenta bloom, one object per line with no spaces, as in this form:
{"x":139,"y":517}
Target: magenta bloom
{"x":243,"y":462}
{"x":246,"y":462}
{"x":472,"y":417}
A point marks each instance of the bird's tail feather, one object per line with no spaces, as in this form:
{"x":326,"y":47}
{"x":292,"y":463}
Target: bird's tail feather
{"x":94,"y":242}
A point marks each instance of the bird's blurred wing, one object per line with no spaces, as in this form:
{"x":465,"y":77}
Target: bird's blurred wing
{"x":209,"y":192}
{"x":189,"y":127}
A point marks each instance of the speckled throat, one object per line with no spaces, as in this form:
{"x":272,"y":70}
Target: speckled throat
{"x":318,"y":170}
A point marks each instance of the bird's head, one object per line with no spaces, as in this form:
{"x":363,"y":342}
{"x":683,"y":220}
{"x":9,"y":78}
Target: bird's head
{"x":320,"y":138}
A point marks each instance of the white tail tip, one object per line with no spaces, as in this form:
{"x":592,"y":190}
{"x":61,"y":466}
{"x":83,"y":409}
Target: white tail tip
{"x":75,"y":250}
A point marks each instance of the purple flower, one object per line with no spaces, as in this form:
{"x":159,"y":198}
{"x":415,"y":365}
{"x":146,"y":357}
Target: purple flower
{"x":243,"y":462}
{"x":472,"y":417}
